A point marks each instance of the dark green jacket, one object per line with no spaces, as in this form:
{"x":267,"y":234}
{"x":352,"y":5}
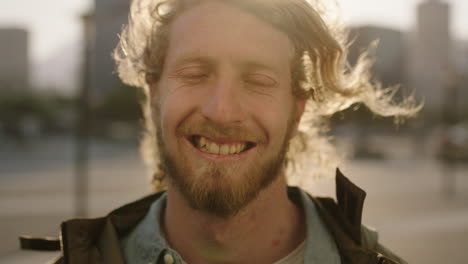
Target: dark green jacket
{"x":94,"y":241}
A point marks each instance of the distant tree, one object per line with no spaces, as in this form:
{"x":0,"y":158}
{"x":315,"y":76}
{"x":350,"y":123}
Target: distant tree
{"x":20,"y":105}
{"x":122,"y":104}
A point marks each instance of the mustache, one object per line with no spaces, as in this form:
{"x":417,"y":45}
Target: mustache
{"x":214,"y":130}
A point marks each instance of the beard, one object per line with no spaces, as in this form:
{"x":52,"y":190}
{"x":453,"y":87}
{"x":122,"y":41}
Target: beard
{"x":214,"y":188}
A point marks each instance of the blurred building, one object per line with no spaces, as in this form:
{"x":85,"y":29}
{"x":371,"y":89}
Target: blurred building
{"x":432,"y":71}
{"x":389,"y":66}
{"x":110,"y":16}
{"x":14,"y":58}
{"x":459,"y":55}
{"x":463,"y":79}
{"x":421,"y":62}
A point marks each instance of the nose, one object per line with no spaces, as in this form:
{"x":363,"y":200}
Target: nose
{"x":222,"y":105}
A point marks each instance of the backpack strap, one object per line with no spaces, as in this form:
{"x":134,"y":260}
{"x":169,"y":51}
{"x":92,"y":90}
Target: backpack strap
{"x":39,"y":243}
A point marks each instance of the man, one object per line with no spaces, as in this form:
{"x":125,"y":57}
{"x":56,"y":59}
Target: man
{"x":228,"y":83}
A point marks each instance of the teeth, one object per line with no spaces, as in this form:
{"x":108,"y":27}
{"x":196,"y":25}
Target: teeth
{"x":220,"y":149}
{"x":233,"y":149}
{"x":213,"y":148}
{"x":224,"y":149}
{"x":202,"y":142}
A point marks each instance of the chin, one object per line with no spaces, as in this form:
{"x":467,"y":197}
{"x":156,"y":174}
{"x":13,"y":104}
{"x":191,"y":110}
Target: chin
{"x":222,"y":190}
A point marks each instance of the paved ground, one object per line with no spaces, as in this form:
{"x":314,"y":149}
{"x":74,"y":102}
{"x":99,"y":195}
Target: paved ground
{"x":404,"y":199}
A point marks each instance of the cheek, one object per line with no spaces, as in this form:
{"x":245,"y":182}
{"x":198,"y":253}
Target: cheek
{"x":175,"y":108}
{"x":168,"y":116}
{"x":274,"y":116}
{"x":287,"y":114}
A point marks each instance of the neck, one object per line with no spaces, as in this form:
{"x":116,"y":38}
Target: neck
{"x":264,"y":231}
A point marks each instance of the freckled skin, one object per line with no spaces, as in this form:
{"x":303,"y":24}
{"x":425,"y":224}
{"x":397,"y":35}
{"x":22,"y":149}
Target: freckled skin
{"x":275,"y":242}
{"x":280,"y":235}
{"x":253,"y":216}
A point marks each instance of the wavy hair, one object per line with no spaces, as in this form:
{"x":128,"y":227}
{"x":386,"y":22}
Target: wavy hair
{"x":320,"y":73}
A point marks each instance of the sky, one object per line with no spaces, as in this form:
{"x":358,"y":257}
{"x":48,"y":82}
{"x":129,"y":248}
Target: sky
{"x":56,"y":23}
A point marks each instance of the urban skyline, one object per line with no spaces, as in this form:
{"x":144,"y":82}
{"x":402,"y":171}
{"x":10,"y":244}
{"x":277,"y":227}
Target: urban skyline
{"x":58,"y":23}
{"x":66,"y":59}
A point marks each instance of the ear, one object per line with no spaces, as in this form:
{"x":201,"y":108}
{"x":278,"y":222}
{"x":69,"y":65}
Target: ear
{"x":151,"y":91}
{"x":151,"y":83}
{"x":299,"y":111}
{"x":151,"y":100}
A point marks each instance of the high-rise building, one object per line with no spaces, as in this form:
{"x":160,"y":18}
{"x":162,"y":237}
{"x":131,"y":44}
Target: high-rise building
{"x":110,"y":16}
{"x":14,"y":59}
{"x":462,"y":86}
{"x":389,"y":66}
{"x":432,"y":68}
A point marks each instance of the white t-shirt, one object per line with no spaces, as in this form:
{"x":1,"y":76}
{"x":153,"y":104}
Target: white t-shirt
{"x":295,"y":257}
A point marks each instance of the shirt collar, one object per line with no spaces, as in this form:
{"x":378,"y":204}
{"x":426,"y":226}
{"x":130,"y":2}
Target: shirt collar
{"x":146,"y":242}
{"x":320,"y":245}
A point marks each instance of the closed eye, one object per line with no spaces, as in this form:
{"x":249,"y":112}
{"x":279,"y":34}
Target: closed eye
{"x":192,"y":74}
{"x":260,"y":80}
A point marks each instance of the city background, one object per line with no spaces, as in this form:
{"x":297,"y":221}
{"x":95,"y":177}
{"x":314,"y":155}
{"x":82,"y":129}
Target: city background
{"x":69,"y":129}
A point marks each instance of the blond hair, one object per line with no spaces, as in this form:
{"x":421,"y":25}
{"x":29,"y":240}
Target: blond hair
{"x":320,"y":72}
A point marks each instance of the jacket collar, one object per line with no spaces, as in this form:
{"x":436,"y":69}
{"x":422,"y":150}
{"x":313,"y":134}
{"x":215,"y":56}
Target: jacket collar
{"x":97,"y":240}
{"x":147,"y":244}
{"x":350,"y":201}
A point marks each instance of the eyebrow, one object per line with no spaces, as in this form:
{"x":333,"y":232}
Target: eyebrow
{"x":210,"y":62}
{"x":205,"y":60}
{"x":256,"y":65}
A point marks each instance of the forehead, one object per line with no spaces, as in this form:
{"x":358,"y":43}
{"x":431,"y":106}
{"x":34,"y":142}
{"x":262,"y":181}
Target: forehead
{"x":218,"y":30}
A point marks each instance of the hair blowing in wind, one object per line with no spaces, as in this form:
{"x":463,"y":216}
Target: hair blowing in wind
{"x":320,"y":73}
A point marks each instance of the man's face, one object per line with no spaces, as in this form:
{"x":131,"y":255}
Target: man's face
{"x":224,"y":107}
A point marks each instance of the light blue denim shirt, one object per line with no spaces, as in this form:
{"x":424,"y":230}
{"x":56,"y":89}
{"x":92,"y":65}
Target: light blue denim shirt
{"x":146,"y":243}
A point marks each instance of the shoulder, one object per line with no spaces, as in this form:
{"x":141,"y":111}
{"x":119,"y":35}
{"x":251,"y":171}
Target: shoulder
{"x":101,"y":236}
{"x":357,"y":243}
{"x":370,"y":239}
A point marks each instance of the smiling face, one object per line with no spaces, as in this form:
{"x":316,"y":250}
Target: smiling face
{"x":224,"y":107}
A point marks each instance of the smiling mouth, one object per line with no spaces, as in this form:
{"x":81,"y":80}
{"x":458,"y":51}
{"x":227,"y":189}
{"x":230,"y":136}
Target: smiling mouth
{"x":208,"y":146}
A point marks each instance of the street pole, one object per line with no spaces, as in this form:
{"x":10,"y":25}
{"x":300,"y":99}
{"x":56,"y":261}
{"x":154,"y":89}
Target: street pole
{"x":450,"y":118}
{"x":83,"y":123}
